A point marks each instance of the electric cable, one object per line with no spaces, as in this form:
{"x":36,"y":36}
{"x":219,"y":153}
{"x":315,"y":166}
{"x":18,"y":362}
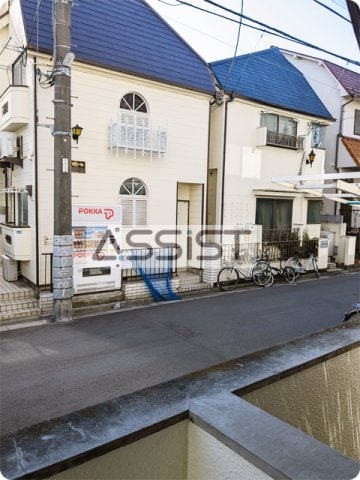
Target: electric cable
{"x":331,"y":10}
{"x":236,"y":46}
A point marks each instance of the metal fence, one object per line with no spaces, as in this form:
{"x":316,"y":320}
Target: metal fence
{"x":248,"y":252}
{"x":153,"y":261}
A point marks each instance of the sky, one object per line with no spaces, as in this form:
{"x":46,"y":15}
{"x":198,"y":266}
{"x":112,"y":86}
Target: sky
{"x":214,"y":38}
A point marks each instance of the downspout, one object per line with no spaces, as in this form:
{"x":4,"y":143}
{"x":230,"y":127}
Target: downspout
{"x":339,"y":135}
{"x":207,"y":169}
{"x":228,"y":100}
{"x":36,"y":180}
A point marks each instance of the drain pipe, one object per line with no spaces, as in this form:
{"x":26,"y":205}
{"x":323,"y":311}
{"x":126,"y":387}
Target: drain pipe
{"x":227,"y":101}
{"x":36,"y":167}
{"x":339,"y":135}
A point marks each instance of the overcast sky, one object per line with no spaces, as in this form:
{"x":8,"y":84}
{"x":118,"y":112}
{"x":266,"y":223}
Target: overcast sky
{"x":215,"y":38}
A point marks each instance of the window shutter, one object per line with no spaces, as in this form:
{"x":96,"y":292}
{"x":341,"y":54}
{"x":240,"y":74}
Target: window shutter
{"x":140,"y":212}
{"x":127,"y":212}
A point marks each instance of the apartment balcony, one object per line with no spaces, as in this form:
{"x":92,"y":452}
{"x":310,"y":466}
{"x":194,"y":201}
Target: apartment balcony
{"x":14,"y":108}
{"x":277,"y":139}
{"x":137,"y":138}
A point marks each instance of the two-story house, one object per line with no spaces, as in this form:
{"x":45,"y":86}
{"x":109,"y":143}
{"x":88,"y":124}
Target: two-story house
{"x":262,"y":127}
{"x":141,"y":96}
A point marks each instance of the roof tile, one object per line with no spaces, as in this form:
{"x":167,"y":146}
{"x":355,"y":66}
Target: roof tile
{"x":353,"y":147}
{"x":349,"y":80}
{"x":268,"y":77}
{"x":123,"y":35}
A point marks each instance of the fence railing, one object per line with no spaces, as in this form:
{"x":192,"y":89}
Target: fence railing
{"x":280,"y":235}
{"x":153,"y":261}
{"x":248,"y":252}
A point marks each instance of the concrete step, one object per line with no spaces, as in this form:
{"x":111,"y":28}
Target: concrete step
{"x":19,"y":304}
{"x":18,"y":295}
{"x":19,"y":314}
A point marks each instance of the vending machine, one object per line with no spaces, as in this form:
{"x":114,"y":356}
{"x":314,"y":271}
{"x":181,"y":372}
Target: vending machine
{"x":96,"y":247}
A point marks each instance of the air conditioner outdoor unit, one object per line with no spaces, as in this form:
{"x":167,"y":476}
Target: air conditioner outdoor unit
{"x":7,"y":144}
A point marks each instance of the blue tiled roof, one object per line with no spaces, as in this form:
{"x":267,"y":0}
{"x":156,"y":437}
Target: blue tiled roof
{"x":124,"y":35}
{"x":269,"y":78}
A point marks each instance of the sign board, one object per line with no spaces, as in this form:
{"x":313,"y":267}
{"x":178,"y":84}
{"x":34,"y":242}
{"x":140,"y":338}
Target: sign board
{"x":96,"y":244}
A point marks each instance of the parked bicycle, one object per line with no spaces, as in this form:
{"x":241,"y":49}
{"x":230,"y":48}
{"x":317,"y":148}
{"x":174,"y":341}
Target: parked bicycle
{"x":353,"y":314}
{"x":257,"y":271}
{"x":301,"y":266}
{"x":285,"y":272}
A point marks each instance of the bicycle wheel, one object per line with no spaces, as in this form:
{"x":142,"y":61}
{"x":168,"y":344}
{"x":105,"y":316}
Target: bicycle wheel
{"x":228,"y":278}
{"x":352,"y":315}
{"x":316,"y":268}
{"x":289,"y":274}
{"x":262,"y":275}
{"x":295,"y":264}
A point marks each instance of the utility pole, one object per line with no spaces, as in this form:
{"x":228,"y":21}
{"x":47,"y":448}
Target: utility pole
{"x":63,"y":243}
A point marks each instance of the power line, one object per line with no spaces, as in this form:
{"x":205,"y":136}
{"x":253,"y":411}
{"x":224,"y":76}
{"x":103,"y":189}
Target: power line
{"x":265,"y":28}
{"x":291,"y":37}
{"x":331,"y":10}
{"x":236,"y":46}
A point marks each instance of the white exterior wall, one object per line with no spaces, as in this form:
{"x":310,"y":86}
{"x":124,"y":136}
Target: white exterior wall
{"x":249,"y":168}
{"x":20,"y":177}
{"x":97,"y":95}
{"x":336,"y":99}
{"x":344,"y":158}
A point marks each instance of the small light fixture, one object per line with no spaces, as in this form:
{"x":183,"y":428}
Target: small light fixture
{"x":311,"y":158}
{"x":76,"y":132}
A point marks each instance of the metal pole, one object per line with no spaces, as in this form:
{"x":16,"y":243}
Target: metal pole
{"x":62,"y":252}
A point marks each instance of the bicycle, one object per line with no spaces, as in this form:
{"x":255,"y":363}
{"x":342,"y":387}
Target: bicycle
{"x":286,"y":272}
{"x":300,"y":266}
{"x":353,"y":314}
{"x":258,"y":271}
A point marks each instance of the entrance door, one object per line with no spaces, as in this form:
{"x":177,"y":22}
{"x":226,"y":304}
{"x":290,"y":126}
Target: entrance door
{"x":183,"y":225}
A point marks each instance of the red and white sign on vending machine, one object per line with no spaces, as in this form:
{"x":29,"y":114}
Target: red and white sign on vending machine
{"x":96,"y":247}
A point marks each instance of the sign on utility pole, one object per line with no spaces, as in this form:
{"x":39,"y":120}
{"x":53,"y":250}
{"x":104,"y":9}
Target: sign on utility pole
{"x":63,"y":243}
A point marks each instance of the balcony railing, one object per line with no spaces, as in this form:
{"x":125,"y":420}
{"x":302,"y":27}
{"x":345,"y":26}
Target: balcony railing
{"x":137,"y":138}
{"x":267,"y":137}
{"x":283,"y":140}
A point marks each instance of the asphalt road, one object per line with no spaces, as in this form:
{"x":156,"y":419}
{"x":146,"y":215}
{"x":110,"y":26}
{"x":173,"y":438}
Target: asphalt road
{"x":51,"y":370}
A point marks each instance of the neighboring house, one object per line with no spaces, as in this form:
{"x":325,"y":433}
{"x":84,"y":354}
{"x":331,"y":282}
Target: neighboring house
{"x":339,"y":89}
{"x":262,"y":128}
{"x":141,"y":95}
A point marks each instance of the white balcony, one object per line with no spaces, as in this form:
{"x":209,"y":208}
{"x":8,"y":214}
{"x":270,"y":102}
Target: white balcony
{"x":137,"y":138}
{"x":14,"y":108}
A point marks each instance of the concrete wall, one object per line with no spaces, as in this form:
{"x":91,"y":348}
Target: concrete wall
{"x":322,"y":401}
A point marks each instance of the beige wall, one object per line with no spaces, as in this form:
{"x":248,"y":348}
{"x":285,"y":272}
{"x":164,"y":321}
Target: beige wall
{"x":322,"y":401}
{"x":210,"y":459}
{"x":183,"y":451}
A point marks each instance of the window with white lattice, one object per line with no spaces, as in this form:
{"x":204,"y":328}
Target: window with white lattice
{"x":134,"y":110}
{"x":134,"y":202}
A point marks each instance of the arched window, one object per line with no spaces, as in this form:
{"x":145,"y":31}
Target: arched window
{"x":134,"y":202}
{"x":134,"y":110}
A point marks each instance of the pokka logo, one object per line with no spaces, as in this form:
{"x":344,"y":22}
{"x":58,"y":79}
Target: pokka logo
{"x":108,"y":213}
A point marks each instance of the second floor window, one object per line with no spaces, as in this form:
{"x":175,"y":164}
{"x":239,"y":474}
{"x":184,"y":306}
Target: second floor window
{"x":281,"y":130}
{"x":18,"y":71}
{"x":133,"y":110}
{"x":357,"y":123}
